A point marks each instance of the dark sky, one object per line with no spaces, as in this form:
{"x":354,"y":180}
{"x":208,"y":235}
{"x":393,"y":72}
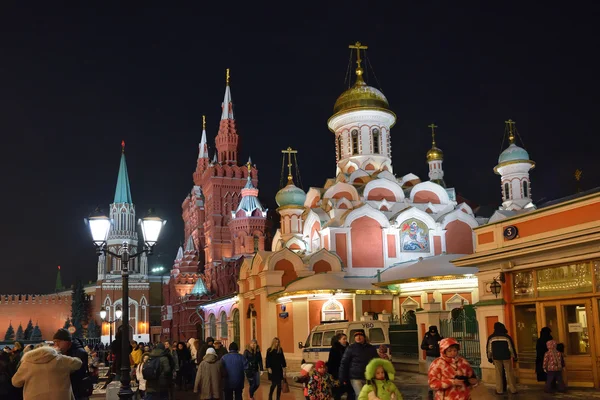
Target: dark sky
{"x":75,"y":81}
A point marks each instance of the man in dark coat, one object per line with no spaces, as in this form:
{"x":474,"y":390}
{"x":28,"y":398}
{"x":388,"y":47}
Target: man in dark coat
{"x":202,"y":350}
{"x":501,"y":352}
{"x":355,"y":360}
{"x":160,"y":388}
{"x":220,"y":349}
{"x":431,"y":346}
{"x":234,"y":365}
{"x":73,"y":348}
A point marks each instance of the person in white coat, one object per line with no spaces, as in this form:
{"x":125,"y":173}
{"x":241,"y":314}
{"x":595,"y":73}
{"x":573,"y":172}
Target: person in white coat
{"x":139,"y":375}
{"x":45,"y":374}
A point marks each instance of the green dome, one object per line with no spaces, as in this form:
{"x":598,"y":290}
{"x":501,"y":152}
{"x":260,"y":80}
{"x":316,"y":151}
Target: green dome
{"x":290,"y":196}
{"x":513,"y":153}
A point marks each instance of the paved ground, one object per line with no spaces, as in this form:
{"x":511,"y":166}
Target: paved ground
{"x":414,"y":387}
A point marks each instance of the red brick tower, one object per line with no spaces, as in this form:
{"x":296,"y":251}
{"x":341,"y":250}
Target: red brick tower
{"x":227,"y":138}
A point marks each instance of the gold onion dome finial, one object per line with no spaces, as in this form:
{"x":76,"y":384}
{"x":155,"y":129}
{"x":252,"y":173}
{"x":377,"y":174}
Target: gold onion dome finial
{"x":227,"y":77}
{"x":360,"y":95}
{"x":434,"y":154}
{"x":204,"y":122}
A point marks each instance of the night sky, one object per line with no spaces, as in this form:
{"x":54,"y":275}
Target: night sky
{"x":75,"y":82}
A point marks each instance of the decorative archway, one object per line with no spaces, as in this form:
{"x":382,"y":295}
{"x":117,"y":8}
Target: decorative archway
{"x":332,"y":310}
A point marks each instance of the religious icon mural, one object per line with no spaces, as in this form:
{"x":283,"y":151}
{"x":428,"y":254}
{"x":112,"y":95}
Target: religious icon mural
{"x":415,"y":236}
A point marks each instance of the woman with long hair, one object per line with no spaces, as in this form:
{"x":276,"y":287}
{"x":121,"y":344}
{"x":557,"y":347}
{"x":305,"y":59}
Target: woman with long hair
{"x":339,"y":343}
{"x":276,"y":367}
{"x":255,"y":366}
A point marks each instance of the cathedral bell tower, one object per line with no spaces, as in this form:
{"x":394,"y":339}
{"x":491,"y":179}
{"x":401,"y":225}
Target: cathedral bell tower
{"x":361,"y":123}
{"x":435,"y":158}
{"x":513,"y":167}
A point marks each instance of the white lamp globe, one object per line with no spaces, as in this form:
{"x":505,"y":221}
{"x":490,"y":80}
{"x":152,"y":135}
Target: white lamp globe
{"x":99,"y":225}
{"x":118,"y":313}
{"x":151,"y":227}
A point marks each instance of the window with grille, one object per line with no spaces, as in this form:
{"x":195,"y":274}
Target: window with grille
{"x":354,"y":141}
{"x":375,"y":135}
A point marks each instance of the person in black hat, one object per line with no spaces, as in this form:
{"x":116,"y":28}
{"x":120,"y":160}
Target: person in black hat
{"x":355,"y":360}
{"x":431,"y":346}
{"x":64,"y":343}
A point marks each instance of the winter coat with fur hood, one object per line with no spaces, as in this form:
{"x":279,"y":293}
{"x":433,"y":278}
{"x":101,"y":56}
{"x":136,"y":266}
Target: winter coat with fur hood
{"x":45,"y":374}
{"x":383,"y":389}
{"x":444,"y":370}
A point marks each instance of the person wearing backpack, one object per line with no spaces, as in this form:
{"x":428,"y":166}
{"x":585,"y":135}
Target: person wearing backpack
{"x":158,"y":373}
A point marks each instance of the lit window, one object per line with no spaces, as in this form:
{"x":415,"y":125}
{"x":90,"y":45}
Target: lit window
{"x":375,"y":134}
{"x":354,"y":141}
{"x":506,"y":191}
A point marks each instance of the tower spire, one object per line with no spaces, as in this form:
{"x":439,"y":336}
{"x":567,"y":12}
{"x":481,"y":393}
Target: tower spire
{"x":203,"y":147}
{"x":227,"y":112}
{"x":435,"y":158}
{"x":58,"y":286}
{"x":358,"y":46}
{"x":123,"y":190}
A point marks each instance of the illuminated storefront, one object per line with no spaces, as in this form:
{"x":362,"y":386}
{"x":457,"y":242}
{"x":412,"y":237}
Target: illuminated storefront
{"x":551,"y":274}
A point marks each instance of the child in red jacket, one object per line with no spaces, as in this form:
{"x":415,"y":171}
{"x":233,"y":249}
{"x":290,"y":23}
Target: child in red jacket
{"x":451,"y":376}
{"x":554,"y":363}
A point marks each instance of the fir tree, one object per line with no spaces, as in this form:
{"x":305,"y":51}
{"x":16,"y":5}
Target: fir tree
{"x":93,"y":330}
{"x":79,"y":308}
{"x":36,"y":334}
{"x":10,"y":333}
{"x":78,"y":329}
{"x":67,"y":324}
{"x":20,"y":333}
{"x":28,"y":330}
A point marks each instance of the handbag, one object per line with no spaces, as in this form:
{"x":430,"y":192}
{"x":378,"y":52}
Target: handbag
{"x":285,"y":388}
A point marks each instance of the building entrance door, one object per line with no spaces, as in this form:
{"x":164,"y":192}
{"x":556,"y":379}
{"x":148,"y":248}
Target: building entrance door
{"x":571,"y":323}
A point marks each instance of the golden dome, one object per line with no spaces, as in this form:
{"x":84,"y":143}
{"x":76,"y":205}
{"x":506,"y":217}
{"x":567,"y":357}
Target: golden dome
{"x":360,"y":96}
{"x":435,"y":154}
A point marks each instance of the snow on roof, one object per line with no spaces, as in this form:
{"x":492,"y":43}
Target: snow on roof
{"x":331,"y":281}
{"x":425,"y":268}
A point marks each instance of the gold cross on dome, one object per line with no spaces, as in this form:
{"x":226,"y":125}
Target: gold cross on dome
{"x":432,"y":126}
{"x":358,"y":46}
{"x":289,"y":151}
{"x":511,"y":135}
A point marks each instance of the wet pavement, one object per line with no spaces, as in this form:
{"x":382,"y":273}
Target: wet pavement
{"x":414,"y":387}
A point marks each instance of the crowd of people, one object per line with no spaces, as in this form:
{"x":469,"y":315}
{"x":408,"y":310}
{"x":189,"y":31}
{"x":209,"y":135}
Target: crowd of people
{"x":67,"y":369}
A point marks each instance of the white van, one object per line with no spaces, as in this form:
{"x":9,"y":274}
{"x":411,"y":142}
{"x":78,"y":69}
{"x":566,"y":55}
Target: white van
{"x":318,"y":342}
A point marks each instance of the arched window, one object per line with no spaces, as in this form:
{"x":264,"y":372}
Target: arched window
{"x":236,"y":326}
{"x":525,"y":189}
{"x":354,"y":141}
{"x":212,"y":325}
{"x":223,"y":325}
{"x":375,"y":135}
{"x":339,"y":147}
{"x":255,"y":244}
{"x":506,"y":191}
{"x":332,"y":311}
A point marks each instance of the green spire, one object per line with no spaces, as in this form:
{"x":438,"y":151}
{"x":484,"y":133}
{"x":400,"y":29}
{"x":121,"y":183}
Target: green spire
{"x":59,"y":286}
{"x":123,"y":192}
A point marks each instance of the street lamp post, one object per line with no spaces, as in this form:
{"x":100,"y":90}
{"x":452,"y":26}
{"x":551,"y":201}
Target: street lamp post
{"x":99,"y":225}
